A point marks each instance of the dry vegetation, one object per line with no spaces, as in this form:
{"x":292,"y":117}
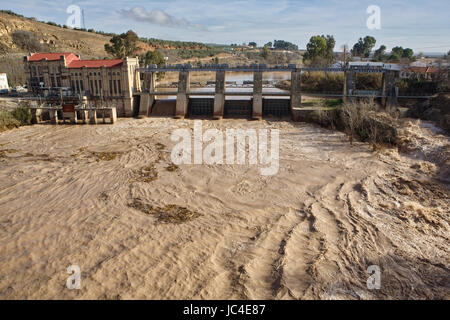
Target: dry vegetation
{"x":361,"y":120}
{"x":333,"y":82}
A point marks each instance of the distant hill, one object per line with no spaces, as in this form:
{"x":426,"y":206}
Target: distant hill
{"x":88,"y":44}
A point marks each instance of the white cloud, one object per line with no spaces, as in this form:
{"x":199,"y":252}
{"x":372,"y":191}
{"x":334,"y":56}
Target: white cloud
{"x":159,"y":17}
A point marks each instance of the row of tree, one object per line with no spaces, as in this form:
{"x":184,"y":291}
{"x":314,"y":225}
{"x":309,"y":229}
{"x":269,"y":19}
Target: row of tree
{"x":320,"y":51}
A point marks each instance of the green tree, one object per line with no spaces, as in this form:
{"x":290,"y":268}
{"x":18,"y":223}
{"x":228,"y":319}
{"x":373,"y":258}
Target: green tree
{"x":316,"y":47}
{"x":284,"y":45}
{"x":394,"y":57}
{"x":398,"y":51}
{"x":265,"y":52}
{"x":330,"y":47}
{"x":153,"y":57}
{"x":408,"y":53}
{"x":252,"y":44}
{"x":364,"y":46}
{"x":380,"y":53}
{"x":268,"y":44}
{"x":320,"y":50}
{"x":122,"y":45}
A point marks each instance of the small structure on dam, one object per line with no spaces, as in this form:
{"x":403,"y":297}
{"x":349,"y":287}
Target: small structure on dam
{"x":261,"y":103}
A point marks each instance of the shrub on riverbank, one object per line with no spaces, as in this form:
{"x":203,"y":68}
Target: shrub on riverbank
{"x":360,"y":120}
{"x":20,"y":116}
{"x":7,"y":121}
{"x":332,"y":82}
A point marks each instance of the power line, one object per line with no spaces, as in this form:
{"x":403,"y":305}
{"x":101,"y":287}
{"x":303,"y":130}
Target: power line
{"x":446,"y":46}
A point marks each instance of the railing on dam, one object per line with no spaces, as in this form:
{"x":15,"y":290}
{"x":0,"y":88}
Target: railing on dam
{"x":258,"y":68}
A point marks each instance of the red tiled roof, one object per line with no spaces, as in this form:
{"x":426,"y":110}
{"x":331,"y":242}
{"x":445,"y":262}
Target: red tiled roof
{"x":95,"y":63}
{"x":421,"y":69}
{"x":53,"y":56}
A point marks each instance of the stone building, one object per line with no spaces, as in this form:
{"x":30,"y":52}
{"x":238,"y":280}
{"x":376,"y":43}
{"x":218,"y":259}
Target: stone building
{"x":112,"y":81}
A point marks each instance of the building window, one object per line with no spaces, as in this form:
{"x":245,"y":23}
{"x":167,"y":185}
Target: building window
{"x":115,"y":87}
{"x":92,"y":87}
{"x":96,"y":87}
{"x":118,"y":85}
{"x":81,"y":85}
{"x":78,"y":86}
{"x":110,"y":88}
{"x":58,"y":82}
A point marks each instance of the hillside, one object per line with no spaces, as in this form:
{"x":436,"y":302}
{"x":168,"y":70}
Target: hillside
{"x":58,"y":39}
{"x":87,"y":44}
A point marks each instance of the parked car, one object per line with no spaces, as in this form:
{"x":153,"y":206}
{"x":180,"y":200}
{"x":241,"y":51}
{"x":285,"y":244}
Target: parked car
{"x":20,"y":89}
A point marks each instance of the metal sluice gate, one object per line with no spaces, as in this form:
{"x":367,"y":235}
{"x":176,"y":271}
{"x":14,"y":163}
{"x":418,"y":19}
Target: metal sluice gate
{"x":238,"y":108}
{"x":276,"y":107}
{"x":201,"y":107}
{"x":204,"y":107}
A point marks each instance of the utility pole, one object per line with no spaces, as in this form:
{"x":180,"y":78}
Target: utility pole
{"x":345,"y":55}
{"x":82,"y":15}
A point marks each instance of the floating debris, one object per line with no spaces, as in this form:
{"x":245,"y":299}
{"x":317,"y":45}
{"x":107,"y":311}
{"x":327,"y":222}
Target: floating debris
{"x":79,"y":152}
{"x":103,"y":196}
{"x":171,"y":213}
{"x":172,"y":167}
{"x":145,"y":174}
{"x":4,"y":152}
{"x":160,"y":146}
{"x":106,"y":156}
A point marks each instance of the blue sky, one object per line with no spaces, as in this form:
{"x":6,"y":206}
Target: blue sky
{"x":421,"y":25}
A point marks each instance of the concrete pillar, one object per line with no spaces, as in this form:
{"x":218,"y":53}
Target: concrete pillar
{"x":53,"y":116}
{"x":36,"y":115}
{"x":113,"y":115}
{"x":182,"y":97}
{"x":93,"y":116}
{"x":219,"y":97}
{"x":147,"y":100}
{"x":388,"y":90}
{"x":84,"y":112}
{"x":73,"y":117}
{"x":296,"y":89}
{"x":257,"y":95}
{"x":144,"y":103}
{"x":349,"y":84}
{"x":84,"y":116}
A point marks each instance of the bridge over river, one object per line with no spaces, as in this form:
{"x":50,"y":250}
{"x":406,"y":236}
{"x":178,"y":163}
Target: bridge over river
{"x":257,"y":102}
